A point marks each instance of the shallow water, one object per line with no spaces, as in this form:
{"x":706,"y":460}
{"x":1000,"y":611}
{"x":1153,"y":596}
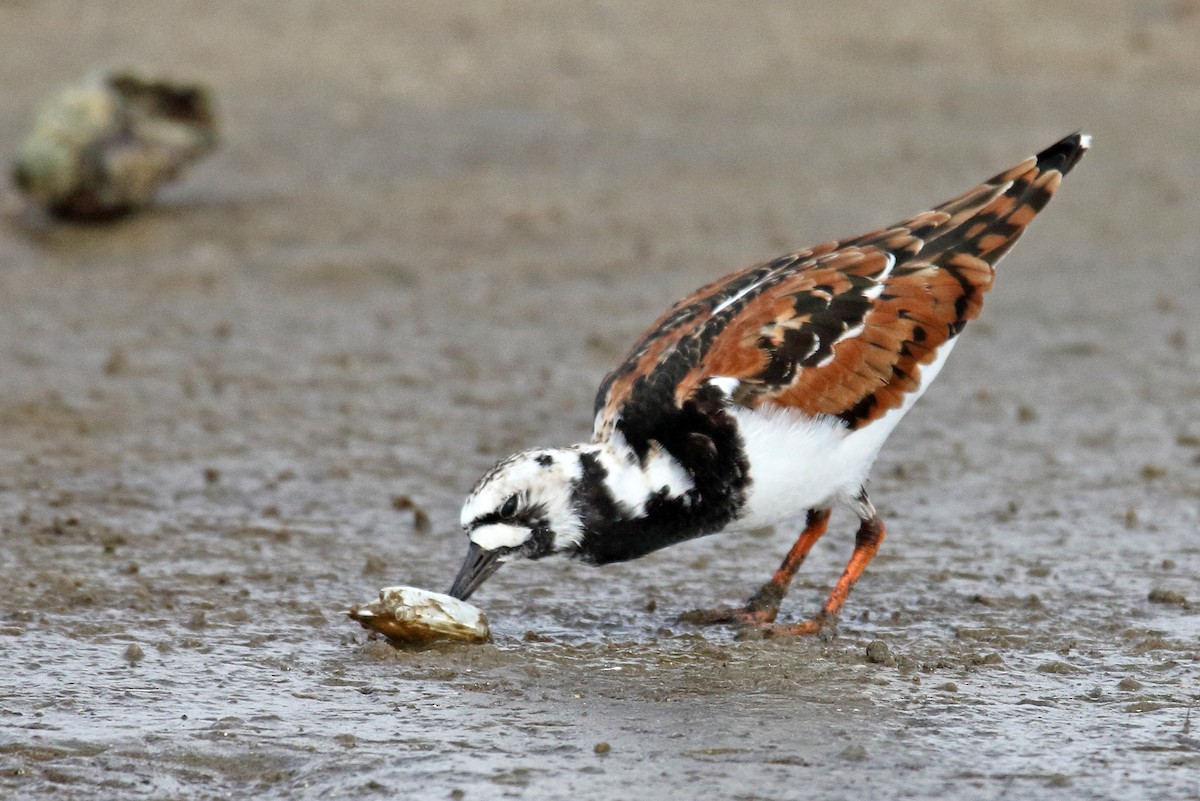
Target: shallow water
{"x":427,"y":253}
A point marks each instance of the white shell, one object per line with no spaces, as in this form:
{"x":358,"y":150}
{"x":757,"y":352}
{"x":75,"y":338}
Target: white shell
{"x":413,"y":615}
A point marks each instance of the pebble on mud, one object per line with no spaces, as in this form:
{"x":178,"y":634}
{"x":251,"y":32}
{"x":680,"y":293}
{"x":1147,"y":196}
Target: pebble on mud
{"x":374,"y":566}
{"x":1138,"y":707}
{"x":422,"y":523}
{"x":117,"y":362}
{"x":1129,"y":684}
{"x":985,"y":659}
{"x":1161,"y":595}
{"x":602,"y":748}
{"x":1150,"y":472}
{"x":101,"y":149}
{"x":879,"y":654}
{"x":854,"y":753}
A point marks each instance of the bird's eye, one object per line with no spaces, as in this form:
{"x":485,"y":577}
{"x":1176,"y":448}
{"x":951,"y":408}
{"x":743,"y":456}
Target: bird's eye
{"x":510,"y":507}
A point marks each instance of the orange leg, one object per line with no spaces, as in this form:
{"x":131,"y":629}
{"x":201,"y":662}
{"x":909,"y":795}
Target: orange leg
{"x":763,"y":606}
{"x":866,"y":545}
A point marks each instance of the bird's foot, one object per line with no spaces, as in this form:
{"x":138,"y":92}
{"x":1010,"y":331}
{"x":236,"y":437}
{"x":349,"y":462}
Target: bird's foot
{"x":741,"y":615}
{"x":824,"y":625}
{"x":760,"y":610}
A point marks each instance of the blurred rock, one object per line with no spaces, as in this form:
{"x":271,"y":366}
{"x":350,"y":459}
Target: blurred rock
{"x":101,"y":149}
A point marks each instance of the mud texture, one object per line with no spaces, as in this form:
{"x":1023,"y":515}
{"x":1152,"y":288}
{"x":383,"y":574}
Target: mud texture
{"x":428,"y":235}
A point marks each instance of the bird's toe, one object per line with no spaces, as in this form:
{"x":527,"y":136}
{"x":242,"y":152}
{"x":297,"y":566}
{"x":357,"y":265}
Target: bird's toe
{"x":740,"y":615}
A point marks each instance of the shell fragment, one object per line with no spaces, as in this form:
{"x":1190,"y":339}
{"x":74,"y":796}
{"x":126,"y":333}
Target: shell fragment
{"x":414,"y":616}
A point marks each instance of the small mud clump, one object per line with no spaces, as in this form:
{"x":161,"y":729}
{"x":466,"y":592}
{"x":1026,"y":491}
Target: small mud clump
{"x":374,"y":566}
{"x":879,"y":654}
{"x":422,"y":523}
{"x":1161,"y":595}
{"x":853,"y":753}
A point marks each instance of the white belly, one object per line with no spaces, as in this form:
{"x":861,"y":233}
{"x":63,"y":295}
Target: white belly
{"x":799,"y":462}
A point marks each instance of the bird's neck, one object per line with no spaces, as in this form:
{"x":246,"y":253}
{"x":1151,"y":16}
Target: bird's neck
{"x":633,"y":501}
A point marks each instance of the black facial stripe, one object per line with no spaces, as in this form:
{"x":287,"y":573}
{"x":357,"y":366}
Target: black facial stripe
{"x":528,"y":518}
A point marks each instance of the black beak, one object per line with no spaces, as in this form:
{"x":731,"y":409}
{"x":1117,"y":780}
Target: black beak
{"x":475,"y":570}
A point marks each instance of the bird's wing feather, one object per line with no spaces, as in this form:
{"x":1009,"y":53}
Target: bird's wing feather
{"x":843,"y":328}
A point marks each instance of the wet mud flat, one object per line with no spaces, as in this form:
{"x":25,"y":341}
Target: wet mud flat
{"x":215,"y":418}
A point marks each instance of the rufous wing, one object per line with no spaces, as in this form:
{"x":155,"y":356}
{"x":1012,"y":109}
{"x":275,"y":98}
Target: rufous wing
{"x":841,"y":329}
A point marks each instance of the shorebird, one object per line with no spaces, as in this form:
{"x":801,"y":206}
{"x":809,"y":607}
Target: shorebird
{"x":764,"y":396}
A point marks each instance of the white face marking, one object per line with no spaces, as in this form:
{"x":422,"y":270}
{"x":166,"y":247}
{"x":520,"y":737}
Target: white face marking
{"x":541,"y":479}
{"x":500,"y":535}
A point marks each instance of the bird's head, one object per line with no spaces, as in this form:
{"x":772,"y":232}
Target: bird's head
{"x":521,"y":509}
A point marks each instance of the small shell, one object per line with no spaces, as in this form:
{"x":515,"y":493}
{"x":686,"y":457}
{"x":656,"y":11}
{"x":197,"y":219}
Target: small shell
{"x":102,"y":148}
{"x":414,"y":616}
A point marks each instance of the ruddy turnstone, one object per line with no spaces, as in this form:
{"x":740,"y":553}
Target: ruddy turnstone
{"x":762,"y":396}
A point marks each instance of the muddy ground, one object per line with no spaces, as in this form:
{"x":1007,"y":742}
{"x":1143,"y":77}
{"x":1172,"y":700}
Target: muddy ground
{"x":426,"y":237}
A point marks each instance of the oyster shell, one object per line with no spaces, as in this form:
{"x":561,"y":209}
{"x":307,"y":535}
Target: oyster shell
{"x":414,"y":616}
{"x":102,"y":148}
